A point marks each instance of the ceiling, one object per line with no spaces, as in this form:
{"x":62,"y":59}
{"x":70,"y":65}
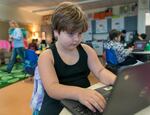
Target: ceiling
{"x":44,"y":7}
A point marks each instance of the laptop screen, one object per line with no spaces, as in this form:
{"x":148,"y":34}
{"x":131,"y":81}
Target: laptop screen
{"x":140,"y":45}
{"x":131,"y":91}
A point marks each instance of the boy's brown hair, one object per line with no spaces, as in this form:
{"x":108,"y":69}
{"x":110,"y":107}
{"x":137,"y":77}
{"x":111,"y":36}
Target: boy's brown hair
{"x":69,"y":17}
{"x":113,"y":34}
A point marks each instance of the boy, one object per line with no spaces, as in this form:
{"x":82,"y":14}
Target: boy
{"x":64,"y":68}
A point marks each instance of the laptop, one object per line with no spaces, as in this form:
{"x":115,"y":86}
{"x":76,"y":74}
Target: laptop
{"x":139,"y":45}
{"x":129,"y":95}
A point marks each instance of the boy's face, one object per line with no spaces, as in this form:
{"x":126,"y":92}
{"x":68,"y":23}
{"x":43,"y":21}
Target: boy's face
{"x":69,"y":40}
{"x":12,"y":24}
{"x":119,"y":38}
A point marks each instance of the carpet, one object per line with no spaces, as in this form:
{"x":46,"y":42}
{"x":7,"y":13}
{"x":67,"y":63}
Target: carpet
{"x":16,"y":75}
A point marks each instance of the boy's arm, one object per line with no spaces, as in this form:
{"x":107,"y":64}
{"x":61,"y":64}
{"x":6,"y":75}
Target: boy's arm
{"x":104,"y":75}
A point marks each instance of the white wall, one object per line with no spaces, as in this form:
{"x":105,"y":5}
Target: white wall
{"x":143,"y":8}
{"x":147,"y":19}
{"x":8,"y":13}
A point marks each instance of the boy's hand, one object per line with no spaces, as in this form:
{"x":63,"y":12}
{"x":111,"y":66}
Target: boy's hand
{"x":92,"y":100}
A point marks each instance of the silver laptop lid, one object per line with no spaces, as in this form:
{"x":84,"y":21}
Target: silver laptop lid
{"x":131,"y":92}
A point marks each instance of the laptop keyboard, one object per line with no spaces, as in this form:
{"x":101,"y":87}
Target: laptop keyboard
{"x":78,"y":109}
{"x":82,"y":110}
{"x":137,"y":50}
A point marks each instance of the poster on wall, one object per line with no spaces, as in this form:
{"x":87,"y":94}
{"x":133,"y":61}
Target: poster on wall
{"x":101,"y":26}
{"x":118,"y":23}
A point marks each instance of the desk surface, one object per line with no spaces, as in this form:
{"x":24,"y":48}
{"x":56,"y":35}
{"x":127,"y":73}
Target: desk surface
{"x":145,"y":111}
{"x":142,"y":52}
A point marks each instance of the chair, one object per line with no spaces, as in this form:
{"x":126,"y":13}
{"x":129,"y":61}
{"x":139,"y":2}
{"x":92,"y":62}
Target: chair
{"x":30,"y":61}
{"x":111,"y":59}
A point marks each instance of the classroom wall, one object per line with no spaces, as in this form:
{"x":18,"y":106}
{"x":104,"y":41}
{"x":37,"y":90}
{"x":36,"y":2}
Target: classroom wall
{"x":143,"y":8}
{"x":4,"y":26}
{"x":4,"y":30}
{"x":27,"y":20}
{"x":8,"y":13}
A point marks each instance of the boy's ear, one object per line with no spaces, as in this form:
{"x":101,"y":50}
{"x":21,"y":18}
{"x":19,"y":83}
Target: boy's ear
{"x":56,"y":33}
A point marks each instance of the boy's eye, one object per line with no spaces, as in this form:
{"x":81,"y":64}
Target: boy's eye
{"x":71,"y":34}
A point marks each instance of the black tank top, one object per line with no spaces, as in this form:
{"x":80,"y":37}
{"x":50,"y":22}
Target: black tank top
{"x":75,"y":75}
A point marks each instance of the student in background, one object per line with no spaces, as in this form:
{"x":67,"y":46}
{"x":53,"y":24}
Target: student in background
{"x":43,"y":45}
{"x":137,"y":37}
{"x":33,"y":45}
{"x":16,"y":36}
{"x":64,"y":68}
{"x":143,"y":36}
{"x":122,"y":54}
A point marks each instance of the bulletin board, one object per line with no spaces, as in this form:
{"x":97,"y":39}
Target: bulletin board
{"x":130,"y":25}
{"x":97,"y":37}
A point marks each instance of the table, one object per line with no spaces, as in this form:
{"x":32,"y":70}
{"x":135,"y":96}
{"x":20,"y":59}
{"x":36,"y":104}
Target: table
{"x":145,"y":111}
{"x":141,"y":52}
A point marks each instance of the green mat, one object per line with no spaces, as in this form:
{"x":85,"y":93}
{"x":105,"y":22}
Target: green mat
{"x":16,"y":75}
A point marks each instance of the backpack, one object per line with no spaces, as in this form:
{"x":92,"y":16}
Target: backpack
{"x":30,"y":61}
{"x":38,"y":92}
{"x":111,"y":57}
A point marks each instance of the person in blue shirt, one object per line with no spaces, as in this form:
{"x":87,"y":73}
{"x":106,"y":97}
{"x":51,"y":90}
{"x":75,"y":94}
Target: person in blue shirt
{"x":16,"y":37}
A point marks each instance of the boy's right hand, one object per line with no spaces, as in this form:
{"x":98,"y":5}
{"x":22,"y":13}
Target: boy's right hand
{"x":92,"y":100}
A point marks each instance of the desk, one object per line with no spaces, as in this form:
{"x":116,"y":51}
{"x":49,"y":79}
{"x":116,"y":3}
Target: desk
{"x":145,"y":111}
{"x":141,"y":52}
{"x":145,"y":58}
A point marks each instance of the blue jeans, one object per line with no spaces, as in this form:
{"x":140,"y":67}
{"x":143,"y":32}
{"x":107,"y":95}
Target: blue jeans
{"x":35,"y":112}
{"x":16,"y":51}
